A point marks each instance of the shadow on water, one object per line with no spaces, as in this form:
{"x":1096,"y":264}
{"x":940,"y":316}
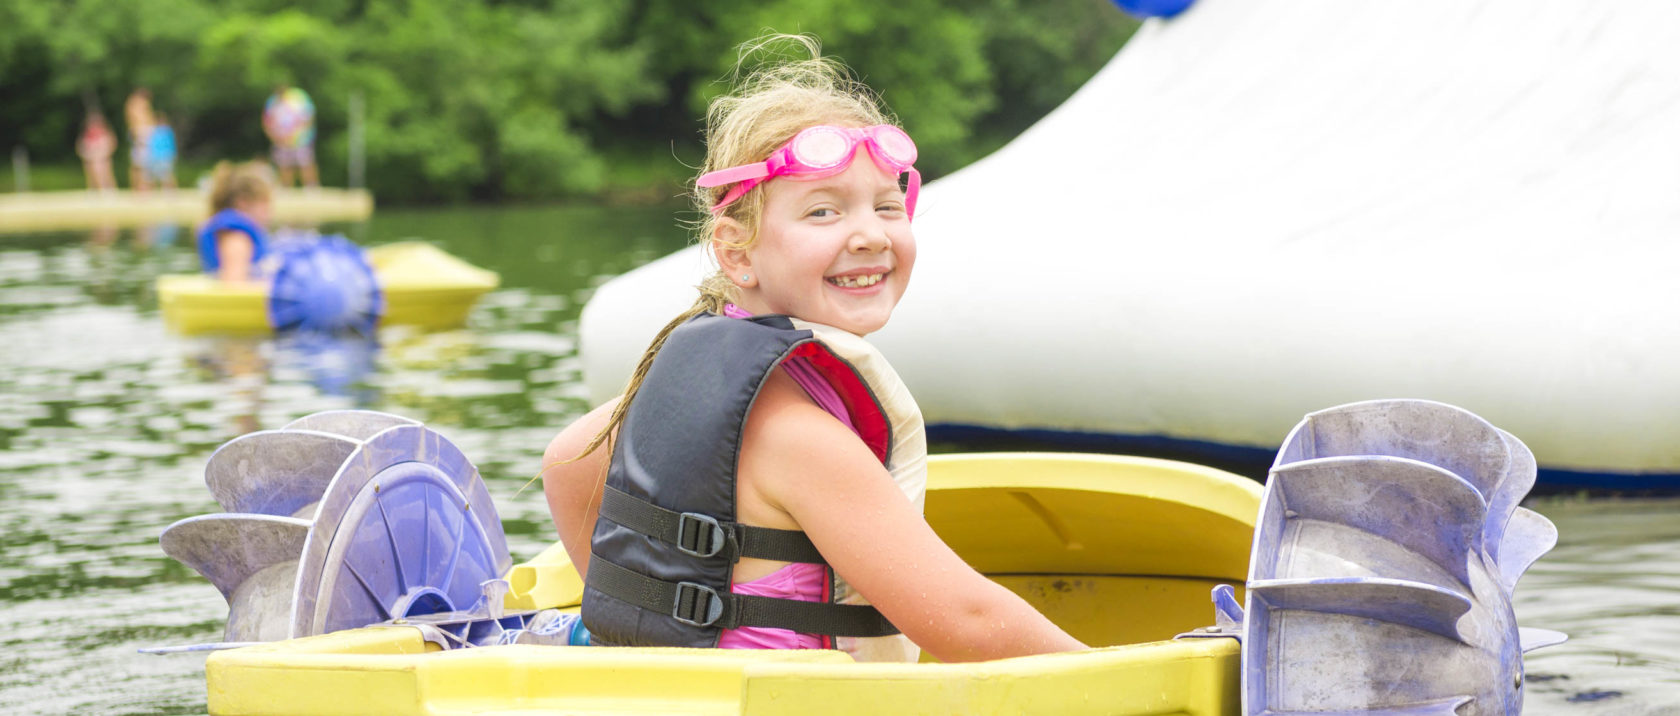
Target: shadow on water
{"x":106,"y":420}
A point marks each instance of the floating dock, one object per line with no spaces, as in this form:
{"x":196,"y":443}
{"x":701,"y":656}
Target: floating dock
{"x":71,"y":210}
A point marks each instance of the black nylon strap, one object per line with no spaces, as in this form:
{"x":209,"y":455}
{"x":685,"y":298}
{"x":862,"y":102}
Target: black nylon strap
{"x":703,"y":536}
{"x":812,"y":617}
{"x":699,"y":605}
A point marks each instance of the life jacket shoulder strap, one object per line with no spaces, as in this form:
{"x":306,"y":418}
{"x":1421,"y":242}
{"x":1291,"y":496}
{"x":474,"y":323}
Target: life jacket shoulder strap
{"x":701,"y":606}
{"x":702,"y":535}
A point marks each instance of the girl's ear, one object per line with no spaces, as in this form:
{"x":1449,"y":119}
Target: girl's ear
{"x":727,"y":235}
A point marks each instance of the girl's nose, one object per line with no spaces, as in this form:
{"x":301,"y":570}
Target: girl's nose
{"x":871,"y":236}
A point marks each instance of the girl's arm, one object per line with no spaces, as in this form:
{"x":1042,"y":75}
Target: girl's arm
{"x":234,"y":249}
{"x":574,"y":488}
{"x":816,"y":470}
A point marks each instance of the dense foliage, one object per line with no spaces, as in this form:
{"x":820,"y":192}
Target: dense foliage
{"x":525,"y":98}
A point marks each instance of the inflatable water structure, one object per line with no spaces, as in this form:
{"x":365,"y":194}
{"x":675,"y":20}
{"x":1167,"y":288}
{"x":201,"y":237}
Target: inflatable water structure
{"x":364,"y":547}
{"x":1260,"y":207}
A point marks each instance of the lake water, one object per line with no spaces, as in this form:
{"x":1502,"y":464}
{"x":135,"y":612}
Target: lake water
{"x":106,"y":420}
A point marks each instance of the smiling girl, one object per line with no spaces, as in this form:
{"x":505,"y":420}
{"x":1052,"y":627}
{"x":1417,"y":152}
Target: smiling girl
{"x":763,"y":482}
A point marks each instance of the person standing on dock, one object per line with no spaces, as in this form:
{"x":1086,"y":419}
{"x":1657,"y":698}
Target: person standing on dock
{"x":95,"y":147}
{"x":137,"y":112}
{"x":289,"y":122}
{"x":160,"y":153}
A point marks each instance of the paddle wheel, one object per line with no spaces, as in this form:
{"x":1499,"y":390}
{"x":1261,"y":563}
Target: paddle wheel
{"x":344,"y":519}
{"x":324,"y":284}
{"x":1389,"y":542}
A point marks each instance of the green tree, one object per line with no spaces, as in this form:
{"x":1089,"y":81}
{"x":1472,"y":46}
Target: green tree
{"x":526,"y":99}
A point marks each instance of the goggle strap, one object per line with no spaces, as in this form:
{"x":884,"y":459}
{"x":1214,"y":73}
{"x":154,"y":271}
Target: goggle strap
{"x":734,"y":174}
{"x":735,"y":192}
{"x":747,"y":176}
{"x":910,"y":190}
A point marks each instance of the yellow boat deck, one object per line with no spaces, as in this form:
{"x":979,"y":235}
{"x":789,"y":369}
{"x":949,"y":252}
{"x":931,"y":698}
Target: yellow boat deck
{"x":1121,"y":552}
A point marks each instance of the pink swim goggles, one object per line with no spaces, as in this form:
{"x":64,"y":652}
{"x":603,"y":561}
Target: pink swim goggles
{"x":823,"y":151}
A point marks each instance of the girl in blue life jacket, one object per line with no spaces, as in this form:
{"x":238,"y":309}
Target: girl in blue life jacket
{"x":233,"y":242}
{"x":762,"y":481}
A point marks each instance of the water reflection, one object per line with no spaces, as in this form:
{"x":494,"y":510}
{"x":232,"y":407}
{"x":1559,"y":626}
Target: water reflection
{"x":1612,"y":583}
{"x":338,"y":364}
{"x":237,"y":363}
{"x":157,"y":236}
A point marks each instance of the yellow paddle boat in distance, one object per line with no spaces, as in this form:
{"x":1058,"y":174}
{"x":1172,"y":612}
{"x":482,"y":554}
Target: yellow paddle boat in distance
{"x":1122,"y":552}
{"x":423,"y":286}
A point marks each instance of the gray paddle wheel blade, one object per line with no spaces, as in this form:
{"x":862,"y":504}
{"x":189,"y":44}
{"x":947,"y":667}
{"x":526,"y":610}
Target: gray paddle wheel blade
{"x":1389,"y":541}
{"x":276,"y":472}
{"x":353,"y":424}
{"x":339,"y":520}
{"x":252,"y":559}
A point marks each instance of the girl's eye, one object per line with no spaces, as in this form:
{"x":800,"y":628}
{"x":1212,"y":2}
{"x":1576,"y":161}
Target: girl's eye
{"x":890,"y":207}
{"x":821,"y":213}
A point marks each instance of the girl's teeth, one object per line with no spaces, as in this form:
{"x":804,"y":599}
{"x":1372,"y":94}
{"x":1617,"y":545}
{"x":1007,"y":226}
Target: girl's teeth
{"x":857,"y":281}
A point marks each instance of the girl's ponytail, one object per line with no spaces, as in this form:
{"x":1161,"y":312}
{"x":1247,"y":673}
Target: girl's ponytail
{"x":715,"y":291}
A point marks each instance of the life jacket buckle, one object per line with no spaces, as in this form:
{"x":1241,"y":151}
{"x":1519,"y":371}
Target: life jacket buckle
{"x":695,"y":599}
{"x":694,"y":538}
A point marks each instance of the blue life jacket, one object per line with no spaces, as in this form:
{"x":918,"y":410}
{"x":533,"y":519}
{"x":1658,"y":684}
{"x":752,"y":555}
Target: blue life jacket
{"x":229,"y":220}
{"x":665,"y":546}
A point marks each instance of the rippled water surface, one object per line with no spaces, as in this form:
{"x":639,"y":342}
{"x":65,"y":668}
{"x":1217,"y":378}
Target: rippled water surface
{"x":106,"y":420}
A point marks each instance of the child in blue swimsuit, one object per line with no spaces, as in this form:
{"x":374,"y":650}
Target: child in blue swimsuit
{"x":233,"y":243}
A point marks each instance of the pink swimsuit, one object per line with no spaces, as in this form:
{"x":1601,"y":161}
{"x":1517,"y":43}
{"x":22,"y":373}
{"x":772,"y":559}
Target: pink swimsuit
{"x":798,"y":580}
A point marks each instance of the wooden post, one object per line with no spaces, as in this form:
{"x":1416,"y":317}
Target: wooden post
{"x":20,"y":169}
{"x":358,"y":141}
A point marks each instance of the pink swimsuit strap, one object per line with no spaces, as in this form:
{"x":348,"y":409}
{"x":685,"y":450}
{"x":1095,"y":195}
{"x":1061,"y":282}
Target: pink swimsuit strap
{"x":806,"y":375}
{"x":799,"y":581}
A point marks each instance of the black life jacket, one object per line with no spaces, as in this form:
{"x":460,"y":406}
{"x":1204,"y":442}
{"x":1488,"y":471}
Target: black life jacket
{"x":665,"y":546}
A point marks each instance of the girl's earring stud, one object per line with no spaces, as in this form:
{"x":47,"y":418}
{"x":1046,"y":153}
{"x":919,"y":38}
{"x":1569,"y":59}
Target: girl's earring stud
{"x":746,"y":277}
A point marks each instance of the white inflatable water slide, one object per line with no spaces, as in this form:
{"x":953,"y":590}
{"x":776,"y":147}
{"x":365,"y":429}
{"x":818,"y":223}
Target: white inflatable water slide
{"x":1264,"y":207}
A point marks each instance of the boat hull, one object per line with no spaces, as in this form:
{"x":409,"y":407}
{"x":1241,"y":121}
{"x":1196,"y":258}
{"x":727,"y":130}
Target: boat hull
{"x":392,"y":670}
{"x":423,"y":286}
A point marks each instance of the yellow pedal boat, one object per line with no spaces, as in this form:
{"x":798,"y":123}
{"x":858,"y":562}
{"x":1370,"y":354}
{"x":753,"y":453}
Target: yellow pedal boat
{"x":1122,"y":552}
{"x":423,"y":286}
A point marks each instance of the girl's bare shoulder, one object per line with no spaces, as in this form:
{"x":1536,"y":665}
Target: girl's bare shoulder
{"x":575,"y":437}
{"x":785,"y":426}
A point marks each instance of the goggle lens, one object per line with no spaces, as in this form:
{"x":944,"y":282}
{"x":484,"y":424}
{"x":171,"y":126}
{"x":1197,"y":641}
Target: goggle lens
{"x":822,"y":148}
{"x":896,"y":145}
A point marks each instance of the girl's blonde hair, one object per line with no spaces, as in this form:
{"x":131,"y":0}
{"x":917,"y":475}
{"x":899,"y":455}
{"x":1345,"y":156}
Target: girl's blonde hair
{"x":232,"y":183}
{"x":772,"y":104}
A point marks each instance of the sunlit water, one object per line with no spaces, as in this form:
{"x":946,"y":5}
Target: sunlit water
{"x":106,"y":420}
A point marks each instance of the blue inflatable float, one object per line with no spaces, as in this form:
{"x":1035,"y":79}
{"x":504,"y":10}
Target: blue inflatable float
{"x":324,"y":284}
{"x":1153,"y":8}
